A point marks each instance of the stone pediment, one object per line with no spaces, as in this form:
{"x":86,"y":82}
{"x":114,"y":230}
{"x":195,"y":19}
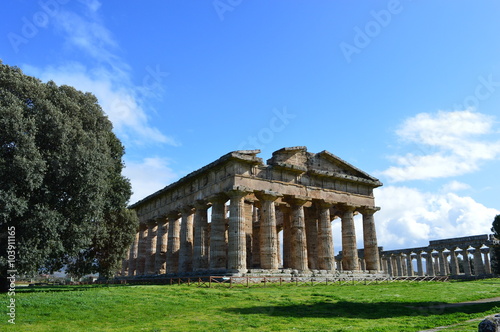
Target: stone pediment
{"x":323,"y":164}
{"x":328,"y":164}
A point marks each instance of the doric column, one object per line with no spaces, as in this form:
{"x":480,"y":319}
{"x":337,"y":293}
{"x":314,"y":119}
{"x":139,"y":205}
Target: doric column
{"x":396,"y":265}
{"x":280,"y":256}
{"x":399,"y":265}
{"x":478,"y":262}
{"x":217,"y":233}
{"x":125,"y":263}
{"x":429,"y":261}
{"x":338,"y":263}
{"x":404,"y":264}
{"x":486,"y":255}
{"x":132,"y":265}
{"x":186,"y":240}
{"x":446,"y":263}
{"x":454,"y":262}
{"x":256,"y":235}
{"x":249,"y":207}
{"x":268,"y":231}
{"x":200,"y":257}
{"x":465,"y":258}
{"x":442,"y":262}
{"x":420,"y":268}
{"x":287,"y":236}
{"x":311,"y":222}
{"x":237,"y":248}
{"x":326,"y":258}
{"x":298,"y":244}
{"x":370,"y":239}
{"x":391,"y":262}
{"x":435,"y":256}
{"x":150,"y":247}
{"x":161,"y":246}
{"x":349,"y":246}
{"x":173,"y":242}
{"x":385,"y":266}
{"x":409,"y":265}
{"x":141,"y":253}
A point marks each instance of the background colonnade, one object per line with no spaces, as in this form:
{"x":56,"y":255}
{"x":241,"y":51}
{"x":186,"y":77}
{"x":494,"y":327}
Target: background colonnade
{"x":468,"y":256}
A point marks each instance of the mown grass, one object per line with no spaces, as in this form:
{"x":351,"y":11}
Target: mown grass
{"x":399,"y":306}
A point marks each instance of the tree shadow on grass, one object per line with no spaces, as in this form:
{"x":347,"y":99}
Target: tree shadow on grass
{"x":62,"y":288}
{"x":361,"y":310}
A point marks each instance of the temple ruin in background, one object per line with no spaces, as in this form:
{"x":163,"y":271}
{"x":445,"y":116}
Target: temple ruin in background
{"x":296,"y":192}
{"x":462,"y":256}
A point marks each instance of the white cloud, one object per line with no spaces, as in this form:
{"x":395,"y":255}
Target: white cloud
{"x":410,"y":217}
{"x":106,"y":75}
{"x":454,"y":186}
{"x":148,"y":176}
{"x":449,"y":144}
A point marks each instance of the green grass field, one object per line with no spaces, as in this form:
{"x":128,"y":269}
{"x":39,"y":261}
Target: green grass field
{"x":398,"y":306}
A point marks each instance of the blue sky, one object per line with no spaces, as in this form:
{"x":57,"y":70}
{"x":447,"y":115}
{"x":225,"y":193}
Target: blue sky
{"x":408,"y":91}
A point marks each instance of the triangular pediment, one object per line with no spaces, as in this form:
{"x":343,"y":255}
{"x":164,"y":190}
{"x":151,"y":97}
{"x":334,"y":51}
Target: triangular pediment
{"x":327,"y":163}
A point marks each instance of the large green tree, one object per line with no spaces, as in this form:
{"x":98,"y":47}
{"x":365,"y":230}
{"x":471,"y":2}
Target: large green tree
{"x":61,"y":186}
{"x":495,"y":261}
{"x":496,"y":227}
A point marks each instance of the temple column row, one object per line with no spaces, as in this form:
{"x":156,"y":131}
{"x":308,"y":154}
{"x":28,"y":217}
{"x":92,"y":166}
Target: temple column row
{"x":184,"y":241}
{"x":438,"y":263}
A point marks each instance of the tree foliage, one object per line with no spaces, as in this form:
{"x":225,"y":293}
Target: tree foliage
{"x":60,"y":178}
{"x":496,"y":227}
{"x":495,"y":250}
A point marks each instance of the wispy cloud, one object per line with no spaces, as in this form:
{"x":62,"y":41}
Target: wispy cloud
{"x":450,"y":144}
{"x":455,"y":186}
{"x":105,"y":74}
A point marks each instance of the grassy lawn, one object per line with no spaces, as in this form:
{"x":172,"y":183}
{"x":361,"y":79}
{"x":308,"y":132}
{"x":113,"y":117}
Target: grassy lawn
{"x":398,"y":306}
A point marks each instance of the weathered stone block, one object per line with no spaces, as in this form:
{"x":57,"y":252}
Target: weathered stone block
{"x":490,"y":324}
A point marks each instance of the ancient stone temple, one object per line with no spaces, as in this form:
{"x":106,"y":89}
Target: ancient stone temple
{"x":231,"y":216}
{"x":441,"y":258}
